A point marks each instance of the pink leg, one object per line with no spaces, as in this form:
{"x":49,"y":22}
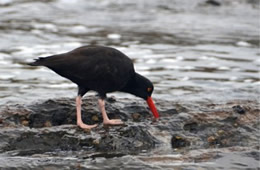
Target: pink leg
{"x":106,"y":120}
{"x":79,"y":120}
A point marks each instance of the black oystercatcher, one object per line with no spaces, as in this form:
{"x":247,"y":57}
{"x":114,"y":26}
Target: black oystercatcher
{"x":102,"y":69}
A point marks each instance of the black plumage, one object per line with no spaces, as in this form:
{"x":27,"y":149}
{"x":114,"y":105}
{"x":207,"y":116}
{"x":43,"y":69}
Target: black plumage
{"x":99,"y":68}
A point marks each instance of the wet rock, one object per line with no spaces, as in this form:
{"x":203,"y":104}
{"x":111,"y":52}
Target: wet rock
{"x":178,"y":141}
{"x":111,"y":99}
{"x":95,"y":118}
{"x":31,"y":141}
{"x":128,"y":139}
{"x":254,"y":2}
{"x":136,"y":116}
{"x":235,"y":125}
{"x":221,"y":132}
{"x":96,"y":142}
{"x":254,"y":154}
{"x":211,"y":139}
{"x":49,"y":128}
{"x":213,"y":2}
{"x":170,"y":112}
{"x":56,"y":112}
{"x":191,"y":127}
{"x":47,"y":124}
{"x":25,"y":122}
{"x":238,"y":109}
{"x":224,"y":138}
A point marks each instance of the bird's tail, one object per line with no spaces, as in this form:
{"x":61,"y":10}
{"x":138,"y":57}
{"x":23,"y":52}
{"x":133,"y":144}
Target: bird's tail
{"x":38,"y":62}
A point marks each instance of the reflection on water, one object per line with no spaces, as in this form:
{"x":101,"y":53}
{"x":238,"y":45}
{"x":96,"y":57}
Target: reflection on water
{"x":190,"y":50}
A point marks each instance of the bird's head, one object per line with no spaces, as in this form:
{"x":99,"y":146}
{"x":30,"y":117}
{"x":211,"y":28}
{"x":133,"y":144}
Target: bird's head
{"x":143,"y":88}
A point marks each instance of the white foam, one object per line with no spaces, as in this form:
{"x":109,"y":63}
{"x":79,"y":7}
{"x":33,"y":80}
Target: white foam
{"x":188,"y":67}
{"x":248,"y":80}
{"x":6,"y":77}
{"x":6,"y":2}
{"x":180,"y":58}
{"x":243,"y":44}
{"x":151,"y":61}
{"x":79,"y":29}
{"x":224,"y":68}
{"x":204,"y":57}
{"x":36,"y":32}
{"x":173,"y":67}
{"x":4,"y":56}
{"x":114,"y":36}
{"x":5,"y":62}
{"x":233,"y":78}
{"x":186,"y":78}
{"x":48,"y":26}
{"x":168,"y":60}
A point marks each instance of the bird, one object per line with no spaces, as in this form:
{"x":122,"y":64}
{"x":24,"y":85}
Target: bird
{"x":103,"y":70}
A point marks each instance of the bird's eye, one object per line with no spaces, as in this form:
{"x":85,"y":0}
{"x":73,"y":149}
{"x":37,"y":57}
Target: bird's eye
{"x":149,"y":89}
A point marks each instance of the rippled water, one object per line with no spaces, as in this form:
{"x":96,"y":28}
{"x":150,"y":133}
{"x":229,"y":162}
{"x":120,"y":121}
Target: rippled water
{"x":189,"y":49}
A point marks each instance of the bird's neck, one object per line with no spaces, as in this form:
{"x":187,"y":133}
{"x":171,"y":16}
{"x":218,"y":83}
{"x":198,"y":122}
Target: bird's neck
{"x":134,"y":85}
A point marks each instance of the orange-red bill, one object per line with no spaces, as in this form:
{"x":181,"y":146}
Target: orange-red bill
{"x":152,"y":107}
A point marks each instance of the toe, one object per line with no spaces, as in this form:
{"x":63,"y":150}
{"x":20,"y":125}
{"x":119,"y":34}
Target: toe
{"x":113,"y":122}
{"x":88,"y":127}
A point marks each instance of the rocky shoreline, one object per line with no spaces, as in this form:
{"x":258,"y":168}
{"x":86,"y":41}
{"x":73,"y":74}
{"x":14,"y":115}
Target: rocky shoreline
{"x":48,"y":129}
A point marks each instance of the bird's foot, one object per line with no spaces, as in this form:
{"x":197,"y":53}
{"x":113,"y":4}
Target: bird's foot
{"x":85,"y":126}
{"x":113,"y":122}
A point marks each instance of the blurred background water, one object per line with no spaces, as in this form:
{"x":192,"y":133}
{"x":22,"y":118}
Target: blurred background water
{"x":191,"y":50}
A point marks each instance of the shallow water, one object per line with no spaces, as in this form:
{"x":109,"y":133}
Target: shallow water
{"x":192,"y":51}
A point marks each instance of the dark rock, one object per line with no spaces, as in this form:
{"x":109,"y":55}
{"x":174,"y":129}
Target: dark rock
{"x":56,"y":112}
{"x":170,"y":112}
{"x":25,"y":122}
{"x":213,"y":2}
{"x":178,"y":141}
{"x":224,"y":138}
{"x":238,"y":109}
{"x":136,"y":116}
{"x":49,"y":128}
{"x":212,"y":139}
{"x":254,"y":154}
{"x":48,"y":142}
{"x":95,"y":118}
{"x":111,"y":99}
{"x":191,"y":127}
{"x":47,"y":124}
{"x":254,"y":2}
{"x":53,"y":132}
{"x":128,"y":139}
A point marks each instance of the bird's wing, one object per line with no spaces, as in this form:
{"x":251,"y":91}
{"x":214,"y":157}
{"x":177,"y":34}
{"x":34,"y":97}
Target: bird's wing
{"x":92,"y":66}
